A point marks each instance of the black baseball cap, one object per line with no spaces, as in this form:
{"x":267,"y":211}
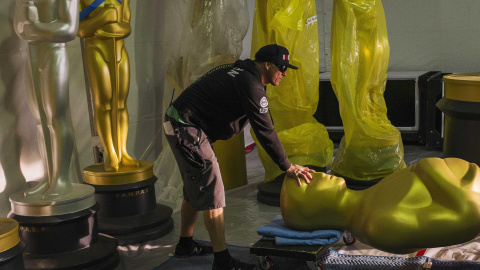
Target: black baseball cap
{"x":274,"y":53}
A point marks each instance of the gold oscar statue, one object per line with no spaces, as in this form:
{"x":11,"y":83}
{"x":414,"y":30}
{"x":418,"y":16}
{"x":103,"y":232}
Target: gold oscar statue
{"x":104,"y":27}
{"x":47,"y":26}
{"x":124,"y":187}
{"x":433,"y":203}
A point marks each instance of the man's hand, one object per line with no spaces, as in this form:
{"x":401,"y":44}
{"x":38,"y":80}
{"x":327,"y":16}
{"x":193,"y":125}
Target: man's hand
{"x":297,"y":171}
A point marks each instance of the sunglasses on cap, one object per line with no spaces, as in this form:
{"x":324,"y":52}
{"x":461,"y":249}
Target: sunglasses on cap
{"x":281,"y":68}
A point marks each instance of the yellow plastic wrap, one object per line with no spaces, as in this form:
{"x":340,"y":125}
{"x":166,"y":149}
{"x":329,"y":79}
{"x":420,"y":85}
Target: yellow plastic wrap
{"x":293,"y":24}
{"x":301,"y":144}
{"x":372,"y":147}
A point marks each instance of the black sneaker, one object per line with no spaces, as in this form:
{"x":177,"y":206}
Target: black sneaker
{"x":235,"y":264}
{"x":195,"y":250}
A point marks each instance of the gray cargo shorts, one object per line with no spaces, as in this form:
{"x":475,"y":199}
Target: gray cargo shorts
{"x":202,"y":187}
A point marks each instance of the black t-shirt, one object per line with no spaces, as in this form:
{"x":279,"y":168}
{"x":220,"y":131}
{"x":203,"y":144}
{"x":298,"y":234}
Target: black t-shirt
{"x":225,"y":100}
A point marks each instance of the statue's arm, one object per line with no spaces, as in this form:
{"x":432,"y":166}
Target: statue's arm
{"x":443,"y":190}
{"x":63,"y":29}
{"x":127,"y":14}
{"x":89,"y":25}
{"x":23,"y":12}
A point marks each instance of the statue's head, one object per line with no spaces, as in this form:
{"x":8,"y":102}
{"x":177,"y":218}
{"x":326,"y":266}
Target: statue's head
{"x":323,"y":187}
{"x":322,"y":181}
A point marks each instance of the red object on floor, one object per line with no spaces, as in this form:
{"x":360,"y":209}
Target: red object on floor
{"x":421,"y":252}
{"x":249,"y":148}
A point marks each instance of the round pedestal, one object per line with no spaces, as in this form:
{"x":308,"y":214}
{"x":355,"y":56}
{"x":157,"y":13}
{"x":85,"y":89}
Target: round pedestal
{"x":11,"y":247}
{"x":68,"y":241}
{"x":269,"y":193}
{"x":81,"y":197}
{"x":461,"y":106}
{"x":129,"y":211}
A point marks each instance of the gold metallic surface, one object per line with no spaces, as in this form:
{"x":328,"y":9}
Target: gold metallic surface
{"x":463,"y":87}
{"x":97,"y":175}
{"x":47,"y":25}
{"x":433,"y":203}
{"x":232,"y":161}
{"x":81,"y":197}
{"x":108,"y":71}
{"x":9,"y":236}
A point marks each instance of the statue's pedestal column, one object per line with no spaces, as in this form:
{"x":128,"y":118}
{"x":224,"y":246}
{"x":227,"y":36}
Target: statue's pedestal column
{"x":461,"y":106}
{"x":11,"y":247}
{"x":129,"y":211}
{"x":232,"y":161}
{"x":62,"y":233}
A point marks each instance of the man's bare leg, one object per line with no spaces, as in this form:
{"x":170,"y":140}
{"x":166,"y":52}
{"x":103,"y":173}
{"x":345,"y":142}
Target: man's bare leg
{"x":214,"y":222}
{"x":188,"y":219}
{"x":186,"y":246}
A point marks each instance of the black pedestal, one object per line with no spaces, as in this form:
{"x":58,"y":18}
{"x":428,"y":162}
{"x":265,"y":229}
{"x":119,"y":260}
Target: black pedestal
{"x":269,"y":193}
{"x":462,"y":129}
{"x":434,"y":123}
{"x":130,"y":214}
{"x":12,"y":259}
{"x":68,"y":241}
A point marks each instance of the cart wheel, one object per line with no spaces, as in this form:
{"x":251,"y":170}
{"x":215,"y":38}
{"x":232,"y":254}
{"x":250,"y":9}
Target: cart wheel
{"x":266,"y":263}
{"x":349,"y":239}
{"x":320,"y":266}
{"x":315,"y":265}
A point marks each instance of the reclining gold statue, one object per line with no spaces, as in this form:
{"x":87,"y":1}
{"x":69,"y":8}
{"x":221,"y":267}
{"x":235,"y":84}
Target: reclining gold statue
{"x":433,"y":203}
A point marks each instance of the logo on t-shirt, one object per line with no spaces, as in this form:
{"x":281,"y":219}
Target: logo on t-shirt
{"x":234,"y":71}
{"x":263,"y":105}
{"x":264,"y":102}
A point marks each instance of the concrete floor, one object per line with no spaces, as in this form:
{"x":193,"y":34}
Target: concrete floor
{"x":243,"y":215}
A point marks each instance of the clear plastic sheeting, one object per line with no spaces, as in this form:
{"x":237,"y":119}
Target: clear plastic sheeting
{"x":372,"y":147}
{"x":301,"y":143}
{"x":169,"y":186}
{"x":203,"y":34}
{"x":212,"y":35}
{"x":293,"y":24}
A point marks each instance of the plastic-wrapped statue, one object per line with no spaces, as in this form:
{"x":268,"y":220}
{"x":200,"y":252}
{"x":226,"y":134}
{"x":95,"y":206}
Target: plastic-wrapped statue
{"x":47,"y":26}
{"x":372,"y":147}
{"x":105,"y":25}
{"x":433,"y":203}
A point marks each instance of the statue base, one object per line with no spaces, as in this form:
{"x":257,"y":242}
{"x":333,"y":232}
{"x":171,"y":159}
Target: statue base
{"x":129,"y":211}
{"x":66,"y":239}
{"x":81,"y":197}
{"x":461,"y":107}
{"x":269,"y":192}
{"x":11,"y":247}
{"x":12,"y":259}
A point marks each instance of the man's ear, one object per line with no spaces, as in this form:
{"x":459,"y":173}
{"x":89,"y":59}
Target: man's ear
{"x":266,"y":65}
